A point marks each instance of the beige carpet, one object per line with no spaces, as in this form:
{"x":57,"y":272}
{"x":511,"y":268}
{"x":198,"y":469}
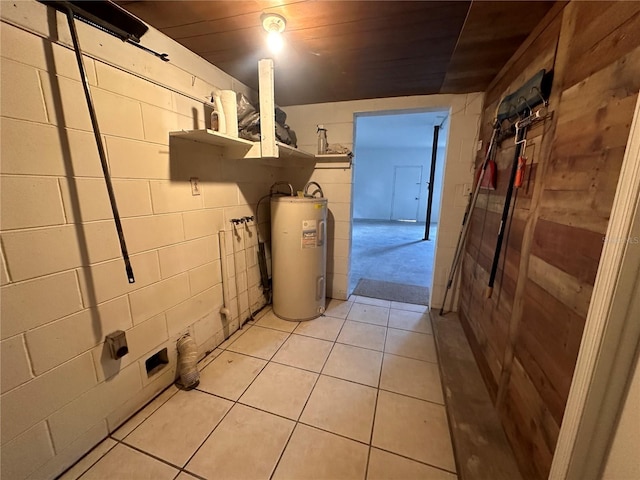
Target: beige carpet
{"x":396,"y":292}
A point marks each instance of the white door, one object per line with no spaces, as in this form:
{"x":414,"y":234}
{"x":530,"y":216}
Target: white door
{"x":405,"y":200}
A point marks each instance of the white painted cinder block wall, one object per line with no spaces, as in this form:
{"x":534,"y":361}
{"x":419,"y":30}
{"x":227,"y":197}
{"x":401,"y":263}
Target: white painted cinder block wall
{"x":63,"y":281}
{"x":374,"y":184}
{"x":338,"y":118}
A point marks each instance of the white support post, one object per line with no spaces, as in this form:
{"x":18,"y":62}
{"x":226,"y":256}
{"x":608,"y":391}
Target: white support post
{"x":267,"y":109}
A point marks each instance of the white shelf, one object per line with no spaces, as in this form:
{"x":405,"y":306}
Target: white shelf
{"x":240,"y":147}
{"x":234,"y":147}
{"x":212,"y":137}
{"x":288,"y":152}
{"x":268,"y":148}
{"x":333,"y":157}
{"x":334,"y":160}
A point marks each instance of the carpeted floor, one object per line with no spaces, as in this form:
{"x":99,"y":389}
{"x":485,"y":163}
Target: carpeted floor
{"x":391,"y":252}
{"x":396,"y":292}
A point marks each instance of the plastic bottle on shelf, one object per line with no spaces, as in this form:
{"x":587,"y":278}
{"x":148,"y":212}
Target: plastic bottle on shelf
{"x":215,"y":126}
{"x":217,"y":107}
{"x":322,"y":140}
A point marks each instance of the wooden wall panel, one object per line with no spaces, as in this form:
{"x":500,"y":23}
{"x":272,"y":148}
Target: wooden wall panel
{"x":533,"y":431}
{"x":604,"y":31}
{"x":490,"y":367}
{"x":527,"y":336}
{"x":573,"y":250}
{"x":545,"y":346}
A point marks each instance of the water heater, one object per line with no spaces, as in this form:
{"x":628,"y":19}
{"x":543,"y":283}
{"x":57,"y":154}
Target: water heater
{"x":299,"y":256}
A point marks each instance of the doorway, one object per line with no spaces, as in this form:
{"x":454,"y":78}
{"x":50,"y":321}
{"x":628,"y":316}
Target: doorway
{"x":393,"y":152}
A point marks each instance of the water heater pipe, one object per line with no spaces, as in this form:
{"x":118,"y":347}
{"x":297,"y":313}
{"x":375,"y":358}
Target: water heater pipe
{"x":246,"y":262}
{"x":273,"y":188}
{"x":235,"y":271}
{"x":317,"y":190}
{"x":225,"y":277}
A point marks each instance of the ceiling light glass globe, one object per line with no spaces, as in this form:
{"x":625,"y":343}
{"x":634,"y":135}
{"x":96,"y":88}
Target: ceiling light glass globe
{"x":275,"y":42}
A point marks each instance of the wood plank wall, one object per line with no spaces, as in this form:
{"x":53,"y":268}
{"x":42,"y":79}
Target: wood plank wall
{"x":526,"y":337}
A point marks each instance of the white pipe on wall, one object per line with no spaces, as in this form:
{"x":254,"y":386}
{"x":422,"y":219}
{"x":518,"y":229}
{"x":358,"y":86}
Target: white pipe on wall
{"x":225,"y":277}
{"x":235,"y":270}
{"x":247,"y":234}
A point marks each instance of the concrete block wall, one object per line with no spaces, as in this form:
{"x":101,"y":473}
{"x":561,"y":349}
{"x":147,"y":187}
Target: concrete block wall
{"x":63,"y":284}
{"x":338,"y":117}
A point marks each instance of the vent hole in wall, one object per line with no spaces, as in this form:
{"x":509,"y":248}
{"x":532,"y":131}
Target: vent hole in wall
{"x":156,"y":362}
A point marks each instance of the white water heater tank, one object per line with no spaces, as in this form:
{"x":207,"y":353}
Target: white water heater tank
{"x":299,"y":256}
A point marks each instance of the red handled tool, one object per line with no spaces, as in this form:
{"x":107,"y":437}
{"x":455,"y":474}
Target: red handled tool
{"x":522,"y":164}
{"x":485,"y":170}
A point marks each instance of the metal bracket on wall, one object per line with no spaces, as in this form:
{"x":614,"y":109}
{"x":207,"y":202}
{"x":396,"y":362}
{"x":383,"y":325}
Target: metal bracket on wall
{"x":110,"y":18}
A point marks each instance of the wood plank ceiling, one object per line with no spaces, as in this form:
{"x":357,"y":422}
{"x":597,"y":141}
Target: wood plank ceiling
{"x":348,"y":50}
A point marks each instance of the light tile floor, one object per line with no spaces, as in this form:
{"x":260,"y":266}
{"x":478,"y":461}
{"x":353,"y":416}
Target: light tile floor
{"x":355,"y":394}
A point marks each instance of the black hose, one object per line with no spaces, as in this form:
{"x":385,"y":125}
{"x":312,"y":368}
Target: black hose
{"x":505,"y":211}
{"x":262,"y":256}
{"x":101,"y":152}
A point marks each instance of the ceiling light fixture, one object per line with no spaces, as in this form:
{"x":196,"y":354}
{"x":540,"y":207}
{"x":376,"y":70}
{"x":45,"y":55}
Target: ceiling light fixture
{"x":274,"y":25}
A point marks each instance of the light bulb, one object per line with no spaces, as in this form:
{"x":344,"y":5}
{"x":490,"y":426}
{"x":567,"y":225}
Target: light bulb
{"x":275,"y":42}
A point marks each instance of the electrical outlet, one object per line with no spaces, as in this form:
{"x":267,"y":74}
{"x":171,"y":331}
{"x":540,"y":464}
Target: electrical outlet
{"x":195,"y":186}
{"x":466,"y":189}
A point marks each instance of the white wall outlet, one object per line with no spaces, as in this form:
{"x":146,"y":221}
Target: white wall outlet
{"x":195,"y":186}
{"x":479,"y":147}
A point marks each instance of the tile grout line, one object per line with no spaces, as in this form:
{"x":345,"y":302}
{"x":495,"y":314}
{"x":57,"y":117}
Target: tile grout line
{"x":183,"y":468}
{"x":139,"y":450}
{"x":140,"y":410}
{"x":238,"y":402}
{"x":375,"y":408}
{"x":321,"y":373}
{"x":350,"y":345}
{"x":297,"y":421}
{"x":291,"y":366}
{"x":93,"y":464}
{"x":306,"y":402}
{"x":413,"y":358}
{"x":387,"y":326}
{"x":348,"y":380}
{"x":122,"y":441}
{"x":417,"y":461}
{"x":447,"y":410}
{"x":235,"y":402}
{"x":412,"y":397}
{"x":270,"y":360}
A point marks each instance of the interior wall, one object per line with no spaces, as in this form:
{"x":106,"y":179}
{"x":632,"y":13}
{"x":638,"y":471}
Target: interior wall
{"x":63,"y":281}
{"x":527,"y":335}
{"x":337,"y":181}
{"x":374,"y":187}
{"x":383,"y":142}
